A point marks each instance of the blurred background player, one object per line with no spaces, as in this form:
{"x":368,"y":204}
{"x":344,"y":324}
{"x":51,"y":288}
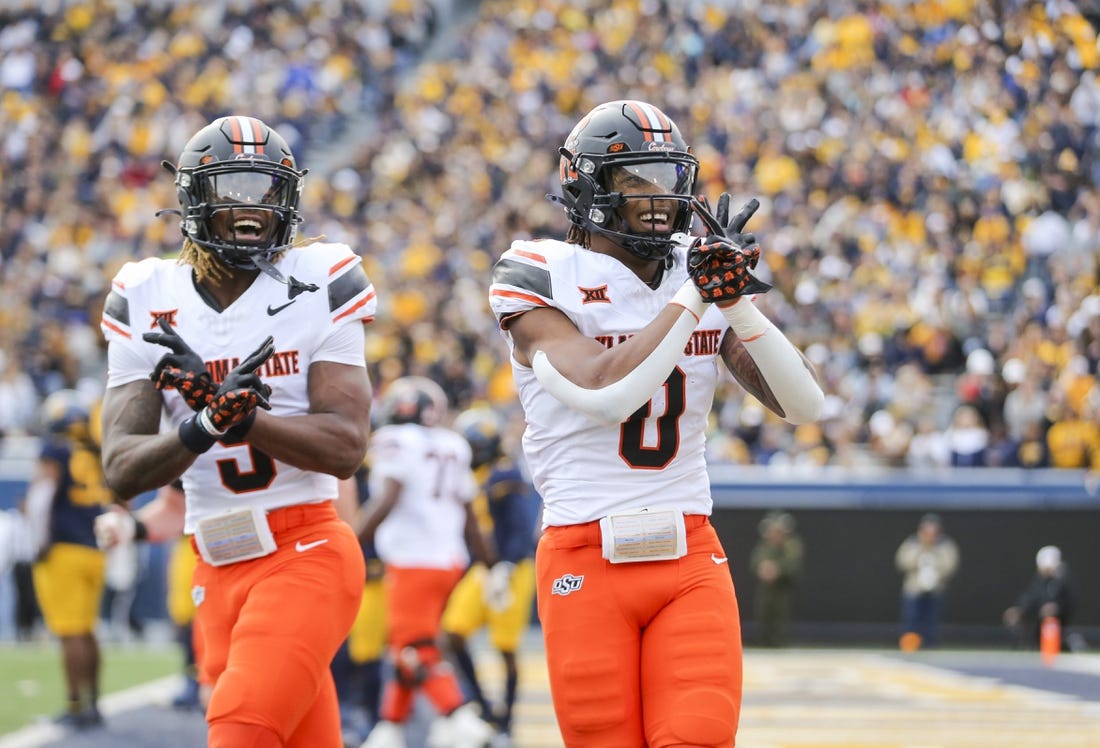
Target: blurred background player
{"x":500,"y":597}
{"x":63,"y":499}
{"x":420,"y":519}
{"x":162,"y":520}
{"x":927,"y":560}
{"x":776,"y":560}
{"x":1049,"y":594}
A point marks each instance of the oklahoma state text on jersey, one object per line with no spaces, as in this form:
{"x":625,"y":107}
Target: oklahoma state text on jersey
{"x":657,"y":453}
{"x":303,"y":328}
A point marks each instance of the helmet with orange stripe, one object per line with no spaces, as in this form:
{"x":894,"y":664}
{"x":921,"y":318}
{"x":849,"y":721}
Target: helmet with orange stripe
{"x":627,"y":173}
{"x":239,"y":188}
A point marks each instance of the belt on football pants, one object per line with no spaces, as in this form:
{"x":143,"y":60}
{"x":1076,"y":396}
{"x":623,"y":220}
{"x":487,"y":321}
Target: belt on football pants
{"x":588,"y":533}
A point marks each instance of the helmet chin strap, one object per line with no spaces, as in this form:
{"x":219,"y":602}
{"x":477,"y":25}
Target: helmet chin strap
{"x":294,"y":286}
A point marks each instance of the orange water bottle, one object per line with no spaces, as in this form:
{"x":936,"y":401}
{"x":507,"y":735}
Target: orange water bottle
{"x":1050,"y":639}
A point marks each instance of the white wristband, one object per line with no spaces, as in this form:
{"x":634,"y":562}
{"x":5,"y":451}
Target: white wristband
{"x":203,"y":422}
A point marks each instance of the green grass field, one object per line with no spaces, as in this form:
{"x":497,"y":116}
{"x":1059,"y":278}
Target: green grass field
{"x":32,"y":683}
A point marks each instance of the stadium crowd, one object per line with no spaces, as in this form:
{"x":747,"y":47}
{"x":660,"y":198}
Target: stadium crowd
{"x":927,"y":170}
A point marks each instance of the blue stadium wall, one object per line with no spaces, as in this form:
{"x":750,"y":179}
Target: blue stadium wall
{"x":851,"y":525}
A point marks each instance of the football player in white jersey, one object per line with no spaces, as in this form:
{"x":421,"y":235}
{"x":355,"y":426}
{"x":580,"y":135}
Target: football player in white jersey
{"x":266,"y":397}
{"x":615,"y":335}
{"x":421,"y":522}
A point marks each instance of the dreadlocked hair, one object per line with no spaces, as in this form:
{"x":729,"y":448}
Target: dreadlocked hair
{"x":577,"y":235}
{"x":205,"y":262}
{"x":209,"y":268}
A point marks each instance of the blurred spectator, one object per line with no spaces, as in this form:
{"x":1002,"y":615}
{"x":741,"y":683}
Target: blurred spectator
{"x":928,"y":447}
{"x":776,"y":561}
{"x":927,"y":559}
{"x":17,"y":603}
{"x":967,"y":438}
{"x":1026,"y":402}
{"x":1049,"y":593}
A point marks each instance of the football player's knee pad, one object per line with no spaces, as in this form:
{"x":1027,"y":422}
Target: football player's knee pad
{"x":704,"y":717}
{"x":416,"y":661}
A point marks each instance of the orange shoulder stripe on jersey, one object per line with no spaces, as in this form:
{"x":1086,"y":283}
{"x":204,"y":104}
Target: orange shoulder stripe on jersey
{"x":351,"y":309}
{"x":517,"y":295}
{"x":332,"y":270}
{"x":107,"y":323}
{"x":530,"y":255}
{"x":120,"y":284}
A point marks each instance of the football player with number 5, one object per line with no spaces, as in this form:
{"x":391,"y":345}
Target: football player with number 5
{"x":615,"y":335}
{"x":267,"y":397}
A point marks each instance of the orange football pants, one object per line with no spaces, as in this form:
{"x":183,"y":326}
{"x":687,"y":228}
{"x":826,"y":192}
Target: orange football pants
{"x":267,"y":630}
{"x":416,"y":598}
{"x":640,"y":654}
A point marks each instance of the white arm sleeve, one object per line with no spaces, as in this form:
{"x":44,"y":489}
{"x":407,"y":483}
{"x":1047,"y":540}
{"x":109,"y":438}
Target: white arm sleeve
{"x":792,"y":383}
{"x":615,"y":403}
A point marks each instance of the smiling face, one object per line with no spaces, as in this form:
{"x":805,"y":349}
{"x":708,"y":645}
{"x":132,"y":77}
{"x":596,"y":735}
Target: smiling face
{"x":656,"y":215}
{"x":244,"y":224}
{"x":240,"y":201}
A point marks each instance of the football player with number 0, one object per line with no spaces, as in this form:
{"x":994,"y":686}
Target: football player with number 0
{"x":615,"y":336}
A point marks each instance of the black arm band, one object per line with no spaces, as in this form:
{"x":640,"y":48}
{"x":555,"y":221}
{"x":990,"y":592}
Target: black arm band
{"x":141,"y":532}
{"x":194,"y":437}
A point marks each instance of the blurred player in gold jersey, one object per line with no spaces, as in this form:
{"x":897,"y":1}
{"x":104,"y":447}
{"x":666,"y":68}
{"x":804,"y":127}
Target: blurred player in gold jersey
{"x":63,"y":499}
{"x":500,"y":597}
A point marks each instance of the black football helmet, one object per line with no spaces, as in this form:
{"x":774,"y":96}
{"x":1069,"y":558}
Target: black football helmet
{"x":641,"y":139}
{"x":481,"y":427}
{"x":232,"y":164}
{"x":414,"y":400}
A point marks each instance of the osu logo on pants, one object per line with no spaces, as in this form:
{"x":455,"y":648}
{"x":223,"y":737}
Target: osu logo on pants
{"x":566,"y":583}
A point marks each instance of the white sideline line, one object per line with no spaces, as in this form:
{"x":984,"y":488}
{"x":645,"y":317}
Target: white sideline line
{"x":37,"y":735}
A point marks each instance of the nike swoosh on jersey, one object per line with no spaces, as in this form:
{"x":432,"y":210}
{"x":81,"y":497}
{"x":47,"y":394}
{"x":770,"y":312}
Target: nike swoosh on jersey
{"x":302,"y":547}
{"x":272,"y":311}
{"x":718,"y":559}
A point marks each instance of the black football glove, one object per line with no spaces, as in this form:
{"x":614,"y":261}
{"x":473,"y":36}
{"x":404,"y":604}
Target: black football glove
{"x":182,"y":369}
{"x":242,"y":391}
{"x":232,"y":408}
{"x":720,"y":264}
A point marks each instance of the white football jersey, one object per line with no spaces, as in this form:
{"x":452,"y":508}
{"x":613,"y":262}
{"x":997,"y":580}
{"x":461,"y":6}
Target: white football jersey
{"x":308,"y":327}
{"x":425,"y":528}
{"x":584,"y":470}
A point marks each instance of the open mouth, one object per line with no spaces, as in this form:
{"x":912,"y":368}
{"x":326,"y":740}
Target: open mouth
{"x":656,"y":221}
{"x":249,"y":229}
